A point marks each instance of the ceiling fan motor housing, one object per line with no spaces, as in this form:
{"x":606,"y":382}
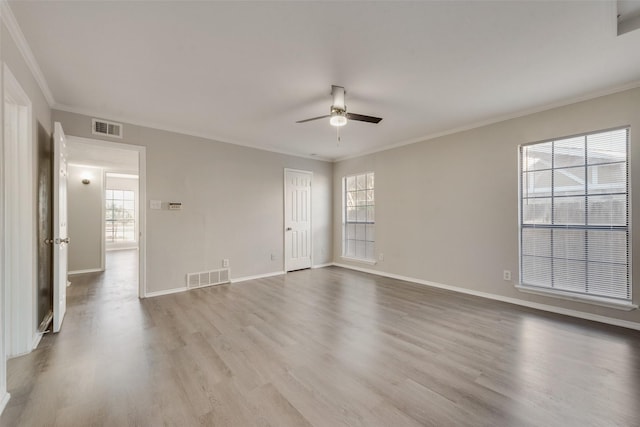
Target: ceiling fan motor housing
{"x":338,"y":98}
{"x":338,"y":111}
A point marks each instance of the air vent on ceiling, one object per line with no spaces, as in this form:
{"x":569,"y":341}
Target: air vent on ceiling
{"x":207,"y":278}
{"x":105,"y":128}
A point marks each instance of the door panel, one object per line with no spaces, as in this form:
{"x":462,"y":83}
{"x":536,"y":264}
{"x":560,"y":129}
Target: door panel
{"x":44,"y":295}
{"x":60,"y":236}
{"x":297,"y":224}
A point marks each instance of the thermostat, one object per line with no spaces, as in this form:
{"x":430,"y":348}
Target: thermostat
{"x":175,"y":206}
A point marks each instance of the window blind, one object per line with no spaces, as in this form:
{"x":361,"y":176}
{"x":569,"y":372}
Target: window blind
{"x":359,"y":216}
{"x":574,"y":214}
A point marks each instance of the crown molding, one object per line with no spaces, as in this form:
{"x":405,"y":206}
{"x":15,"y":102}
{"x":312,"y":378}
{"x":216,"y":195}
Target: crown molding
{"x":498,"y":119}
{"x":16,"y":33}
{"x":13,"y":27}
{"x":177,"y":130}
{"x":9,"y":20}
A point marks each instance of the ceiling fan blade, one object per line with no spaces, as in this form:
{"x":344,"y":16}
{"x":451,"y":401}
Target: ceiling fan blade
{"x":315,"y":118}
{"x":363,"y":118}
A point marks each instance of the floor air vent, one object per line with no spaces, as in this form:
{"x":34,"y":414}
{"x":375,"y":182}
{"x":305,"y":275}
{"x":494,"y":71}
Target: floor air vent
{"x":105,"y":128}
{"x":207,"y":278}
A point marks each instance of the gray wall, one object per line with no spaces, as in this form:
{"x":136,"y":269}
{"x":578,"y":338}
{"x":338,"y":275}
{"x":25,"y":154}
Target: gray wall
{"x":232,"y":204}
{"x":447,"y":208}
{"x":85,"y":218}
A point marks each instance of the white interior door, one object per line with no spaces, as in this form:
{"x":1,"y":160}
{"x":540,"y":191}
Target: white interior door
{"x":297,"y":222}
{"x":60,"y":236}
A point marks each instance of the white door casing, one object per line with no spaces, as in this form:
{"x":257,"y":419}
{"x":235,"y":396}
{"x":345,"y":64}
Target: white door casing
{"x":297,"y":221}
{"x":60,"y":236}
{"x":19,"y":216}
{"x":141,"y":171}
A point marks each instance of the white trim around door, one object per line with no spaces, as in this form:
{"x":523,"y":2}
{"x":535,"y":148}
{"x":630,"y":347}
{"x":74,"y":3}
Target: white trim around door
{"x":19,"y":216}
{"x":142,"y":194}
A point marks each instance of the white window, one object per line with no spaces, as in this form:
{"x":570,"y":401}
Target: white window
{"x":120,"y":216}
{"x":358,"y":233}
{"x":574,"y":216}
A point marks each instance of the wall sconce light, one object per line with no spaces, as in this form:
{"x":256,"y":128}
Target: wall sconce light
{"x":86,"y":177}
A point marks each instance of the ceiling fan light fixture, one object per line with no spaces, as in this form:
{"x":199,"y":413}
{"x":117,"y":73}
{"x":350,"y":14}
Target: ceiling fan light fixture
{"x":338,"y":120}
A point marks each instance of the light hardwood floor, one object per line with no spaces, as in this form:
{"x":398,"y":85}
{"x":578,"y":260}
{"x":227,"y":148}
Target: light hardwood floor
{"x":327,"y":347}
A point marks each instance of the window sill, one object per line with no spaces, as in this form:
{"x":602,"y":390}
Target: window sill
{"x":360,"y":260}
{"x":588,"y":299}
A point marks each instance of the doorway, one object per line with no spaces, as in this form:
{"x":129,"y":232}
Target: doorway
{"x":106,"y":217}
{"x":297,"y":219}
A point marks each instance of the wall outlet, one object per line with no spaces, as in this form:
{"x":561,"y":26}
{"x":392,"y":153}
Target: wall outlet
{"x":506,"y":275}
{"x":273,"y":257}
{"x":380,"y":257}
{"x":225,"y":262}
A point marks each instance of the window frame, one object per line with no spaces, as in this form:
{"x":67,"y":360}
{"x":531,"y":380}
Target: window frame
{"x":113,"y":221}
{"x":607,"y":301}
{"x":345,"y":222}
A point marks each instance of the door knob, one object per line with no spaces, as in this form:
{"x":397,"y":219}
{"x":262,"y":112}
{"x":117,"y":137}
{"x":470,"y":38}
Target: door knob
{"x":289,"y":229}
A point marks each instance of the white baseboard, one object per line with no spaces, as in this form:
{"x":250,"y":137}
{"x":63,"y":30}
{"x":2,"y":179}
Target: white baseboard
{"x":329,"y":264}
{"x":538,"y":306}
{"x":258,"y":276}
{"x":236,"y":280}
{"x":4,"y":401}
{"x":165,"y":292}
{"x":89,"y":270}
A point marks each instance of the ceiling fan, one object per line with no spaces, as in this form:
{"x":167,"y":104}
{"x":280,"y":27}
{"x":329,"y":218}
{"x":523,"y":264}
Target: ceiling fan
{"x":339,"y":115}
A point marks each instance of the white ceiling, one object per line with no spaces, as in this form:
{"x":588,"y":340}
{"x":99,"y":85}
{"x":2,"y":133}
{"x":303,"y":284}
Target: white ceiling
{"x":84,"y":153}
{"x":244,"y":72}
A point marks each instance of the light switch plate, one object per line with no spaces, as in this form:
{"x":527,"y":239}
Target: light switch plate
{"x":155,"y":204}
